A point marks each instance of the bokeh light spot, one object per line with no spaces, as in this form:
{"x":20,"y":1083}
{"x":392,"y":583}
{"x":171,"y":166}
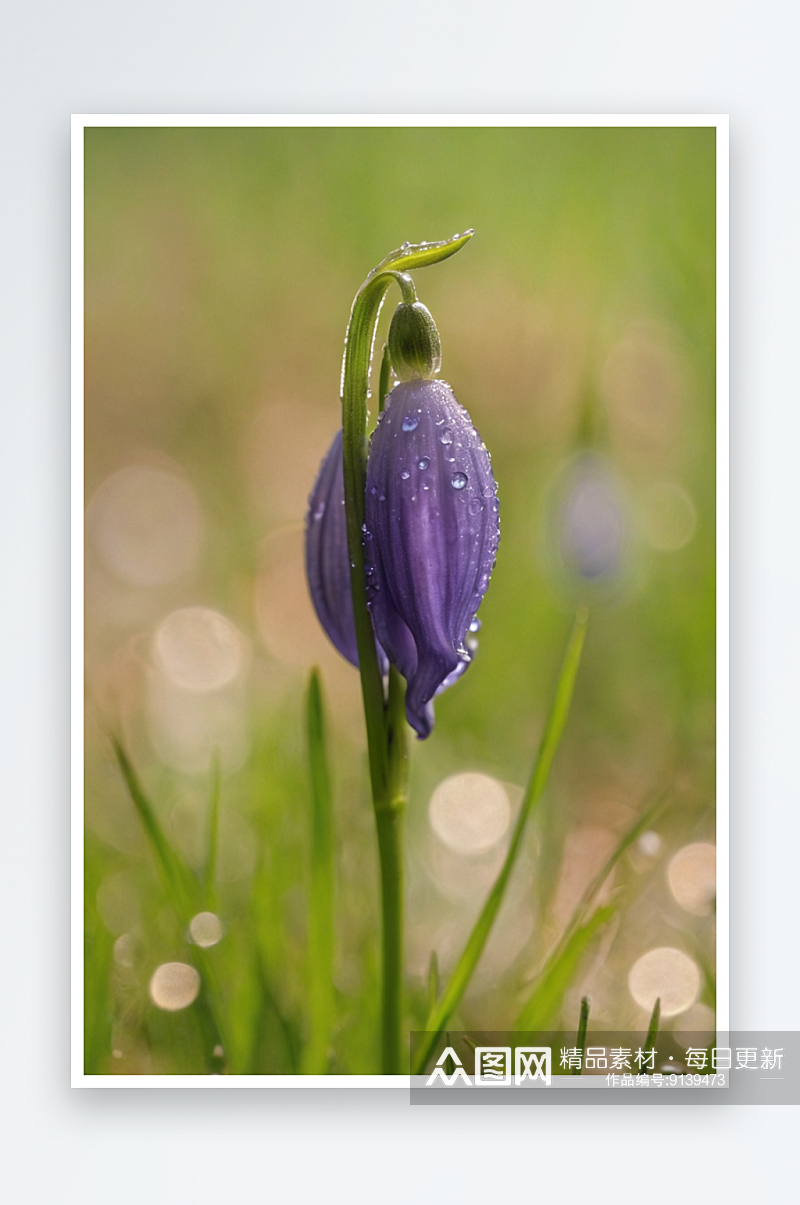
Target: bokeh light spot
{"x":668,"y":973}
{"x":470,"y":813}
{"x":199,"y":649}
{"x":145,"y":523}
{"x":125,"y":950}
{"x":649,"y":843}
{"x":669,"y":516}
{"x":174,"y":986}
{"x":205,"y":929}
{"x":692,"y":877}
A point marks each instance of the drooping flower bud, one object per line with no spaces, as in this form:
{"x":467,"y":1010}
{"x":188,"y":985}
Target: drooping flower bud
{"x":327,"y":560}
{"x":433,"y":530}
{"x":414,"y":344}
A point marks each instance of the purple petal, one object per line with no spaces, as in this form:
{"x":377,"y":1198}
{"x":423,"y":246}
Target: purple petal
{"x":328,"y":559}
{"x":431,"y":510}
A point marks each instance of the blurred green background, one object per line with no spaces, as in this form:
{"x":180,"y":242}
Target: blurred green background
{"x":578,"y":329}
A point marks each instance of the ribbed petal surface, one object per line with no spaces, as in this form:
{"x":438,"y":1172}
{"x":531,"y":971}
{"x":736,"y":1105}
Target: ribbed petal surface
{"x":327,"y":560}
{"x":432,"y":535}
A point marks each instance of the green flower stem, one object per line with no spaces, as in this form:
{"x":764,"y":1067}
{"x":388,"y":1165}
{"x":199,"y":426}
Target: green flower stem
{"x":389,"y":817}
{"x":384,"y":718}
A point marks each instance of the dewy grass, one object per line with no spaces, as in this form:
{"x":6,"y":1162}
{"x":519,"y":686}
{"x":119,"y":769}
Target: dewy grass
{"x":321,"y":901}
{"x":553,"y":730}
{"x":184,"y":892}
{"x":561,"y":963}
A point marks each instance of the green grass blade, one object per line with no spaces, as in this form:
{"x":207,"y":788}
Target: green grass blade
{"x":652,"y":1029}
{"x":581,"y":920}
{"x":583,"y":1025}
{"x":557,"y":973}
{"x":320,"y":921}
{"x":97,"y":1006}
{"x":175,"y":875}
{"x":272,"y":1022}
{"x":184,"y":893}
{"x":210,"y":872}
{"x":554,"y":728}
{"x":433,"y":981}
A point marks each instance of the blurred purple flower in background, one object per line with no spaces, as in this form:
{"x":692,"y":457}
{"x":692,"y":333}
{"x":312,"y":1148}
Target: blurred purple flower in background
{"x":590,"y":526}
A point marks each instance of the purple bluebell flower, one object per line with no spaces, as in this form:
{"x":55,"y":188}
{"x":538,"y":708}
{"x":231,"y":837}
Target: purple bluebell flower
{"x":590,"y":528}
{"x":327,"y":559}
{"x":432,"y":531}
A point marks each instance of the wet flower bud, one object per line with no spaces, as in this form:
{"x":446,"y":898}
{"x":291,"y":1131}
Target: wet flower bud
{"x":414,"y":344}
{"x":327,"y":560}
{"x":433,"y":530}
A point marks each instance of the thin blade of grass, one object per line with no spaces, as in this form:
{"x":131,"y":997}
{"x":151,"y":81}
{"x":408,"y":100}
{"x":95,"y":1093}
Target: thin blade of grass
{"x":555,"y":977}
{"x":269,"y":1003}
{"x":433,"y":981}
{"x":581,"y":916}
{"x":583,"y":1025}
{"x":209,"y":890}
{"x":652,"y":1029}
{"x":175,"y":875}
{"x":320,"y":920}
{"x":553,"y":730}
{"x":183,"y":892}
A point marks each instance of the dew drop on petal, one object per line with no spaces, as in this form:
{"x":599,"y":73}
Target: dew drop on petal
{"x":423,"y":464}
{"x":475,"y":506}
{"x":459,"y":480}
{"x":410,"y":422}
{"x":405,"y":474}
{"x":446,"y":436}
